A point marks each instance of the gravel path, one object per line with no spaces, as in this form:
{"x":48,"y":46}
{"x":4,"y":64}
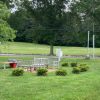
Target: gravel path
{"x":67,"y":56}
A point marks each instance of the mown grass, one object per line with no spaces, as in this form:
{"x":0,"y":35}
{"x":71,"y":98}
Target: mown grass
{"x":31,"y":48}
{"x":84,"y":86}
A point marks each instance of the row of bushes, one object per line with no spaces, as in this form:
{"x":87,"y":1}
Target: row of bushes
{"x":77,"y":68}
{"x":71,"y":64}
{"x":40,"y":72}
{"x":74,"y":64}
{"x":80,"y":68}
{"x":59,"y":72}
{"x":43,"y":72}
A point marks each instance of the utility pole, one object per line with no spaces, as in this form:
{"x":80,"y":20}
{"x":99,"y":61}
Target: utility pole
{"x":88,"y":43}
{"x":93,"y":46}
{"x":93,"y":8}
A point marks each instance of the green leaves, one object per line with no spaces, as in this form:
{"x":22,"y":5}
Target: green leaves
{"x":4,"y":12}
{"x":6,"y":32}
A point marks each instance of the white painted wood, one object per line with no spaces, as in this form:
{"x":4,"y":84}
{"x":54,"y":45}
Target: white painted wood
{"x":39,"y":62}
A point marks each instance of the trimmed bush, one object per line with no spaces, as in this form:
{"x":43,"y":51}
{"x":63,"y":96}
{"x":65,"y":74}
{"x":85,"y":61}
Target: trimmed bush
{"x":83,"y":67}
{"x":76,"y":70}
{"x":42,"y":72}
{"x":73,"y":64}
{"x":17,"y":72}
{"x":65,"y":65}
{"x":61,"y":72}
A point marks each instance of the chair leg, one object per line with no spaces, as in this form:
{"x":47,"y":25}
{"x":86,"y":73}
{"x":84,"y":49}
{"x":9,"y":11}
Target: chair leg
{"x":35,"y":68}
{"x":27,"y":69}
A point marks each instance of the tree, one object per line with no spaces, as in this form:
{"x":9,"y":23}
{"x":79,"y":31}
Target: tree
{"x":6,"y":32}
{"x":48,"y":22}
{"x":89,"y":11}
{"x":50,"y":17}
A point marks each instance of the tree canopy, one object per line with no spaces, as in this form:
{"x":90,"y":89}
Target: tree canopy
{"x":50,"y":22}
{"x":6,"y":32}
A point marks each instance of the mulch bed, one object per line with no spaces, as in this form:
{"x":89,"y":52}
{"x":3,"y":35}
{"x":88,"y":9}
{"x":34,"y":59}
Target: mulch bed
{"x":33,"y":70}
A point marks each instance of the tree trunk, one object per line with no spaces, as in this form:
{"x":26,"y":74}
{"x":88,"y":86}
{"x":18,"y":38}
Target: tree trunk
{"x":51,"y":50}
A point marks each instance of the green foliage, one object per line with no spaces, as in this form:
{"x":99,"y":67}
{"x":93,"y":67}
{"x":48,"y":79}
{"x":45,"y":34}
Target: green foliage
{"x":17,"y":72}
{"x":61,"y":72}
{"x":65,"y":64}
{"x":73,"y":64}
{"x":4,"y":12}
{"x":48,"y":22}
{"x":47,"y":17}
{"x":42,"y":72}
{"x":9,"y":3}
{"x":83,"y":67}
{"x":80,"y":68}
{"x":6,"y":32}
{"x":76,"y":70}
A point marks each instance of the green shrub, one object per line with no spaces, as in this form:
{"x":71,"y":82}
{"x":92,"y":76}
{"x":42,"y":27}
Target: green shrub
{"x":73,"y":64}
{"x":61,"y":72}
{"x":42,"y":72}
{"x":76,"y":70}
{"x":83,"y":67}
{"x":65,"y":65}
{"x":17,"y":72}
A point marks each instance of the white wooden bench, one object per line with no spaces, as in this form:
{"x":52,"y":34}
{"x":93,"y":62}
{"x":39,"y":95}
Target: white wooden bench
{"x":26,"y":64}
{"x":38,"y":62}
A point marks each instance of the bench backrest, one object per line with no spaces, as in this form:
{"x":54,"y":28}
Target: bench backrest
{"x":40,"y":61}
{"x":23,"y":63}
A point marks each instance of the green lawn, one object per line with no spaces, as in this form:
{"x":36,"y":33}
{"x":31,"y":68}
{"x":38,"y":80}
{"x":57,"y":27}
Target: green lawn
{"x":84,"y":86}
{"x":31,"y":48}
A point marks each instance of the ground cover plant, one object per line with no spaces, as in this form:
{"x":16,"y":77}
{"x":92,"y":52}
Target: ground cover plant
{"x":84,"y":86}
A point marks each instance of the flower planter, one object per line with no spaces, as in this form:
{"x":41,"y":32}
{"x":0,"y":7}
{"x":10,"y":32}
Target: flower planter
{"x":13,"y":65}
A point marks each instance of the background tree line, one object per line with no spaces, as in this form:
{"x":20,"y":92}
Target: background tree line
{"x":50,"y":22}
